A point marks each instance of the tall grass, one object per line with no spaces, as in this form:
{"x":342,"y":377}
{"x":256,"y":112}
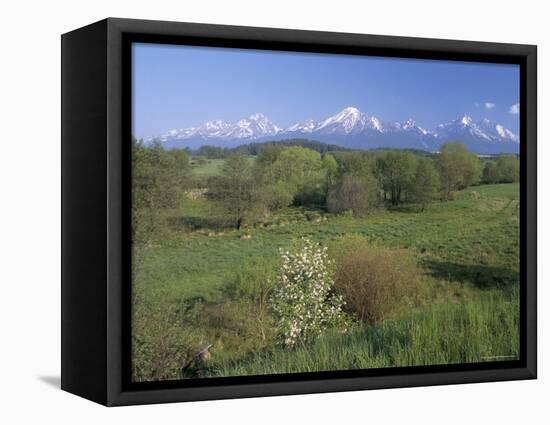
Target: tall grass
{"x":481,"y":330}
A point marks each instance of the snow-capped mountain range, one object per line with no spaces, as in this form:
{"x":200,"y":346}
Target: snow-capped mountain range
{"x":349,"y":128}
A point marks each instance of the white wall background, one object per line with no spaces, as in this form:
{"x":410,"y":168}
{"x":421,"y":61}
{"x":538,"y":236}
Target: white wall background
{"x":30,"y":211}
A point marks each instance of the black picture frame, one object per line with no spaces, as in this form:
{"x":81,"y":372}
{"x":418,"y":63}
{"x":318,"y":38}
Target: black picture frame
{"x":96,"y":279}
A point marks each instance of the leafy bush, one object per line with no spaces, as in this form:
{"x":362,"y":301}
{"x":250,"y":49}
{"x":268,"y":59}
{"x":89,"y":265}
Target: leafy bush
{"x":355,"y":193}
{"x":508,"y":168}
{"x":253,"y":285}
{"x":236,"y":190}
{"x":375,"y":282}
{"x":277,"y":196}
{"x":504,"y":170}
{"x":159,"y":179}
{"x":302,"y":299}
{"x":396,"y":172}
{"x":425,"y":183}
{"x":161,"y":345}
{"x":458,"y":168}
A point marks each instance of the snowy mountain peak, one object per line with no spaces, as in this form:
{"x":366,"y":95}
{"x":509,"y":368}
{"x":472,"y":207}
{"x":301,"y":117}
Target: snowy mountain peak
{"x":215,"y":125}
{"x":349,"y":120}
{"x":350,"y":110}
{"x":468,"y":131}
{"x":506,"y":134}
{"x":306,"y":126}
{"x":350,"y":128}
{"x":253,"y":127}
{"x":466,"y":120}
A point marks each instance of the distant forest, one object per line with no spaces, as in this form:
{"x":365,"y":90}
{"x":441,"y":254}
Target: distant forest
{"x":256,"y":148}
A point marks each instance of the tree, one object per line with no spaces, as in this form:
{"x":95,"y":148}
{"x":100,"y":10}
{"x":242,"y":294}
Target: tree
{"x":276,"y":195}
{"x":508,"y":169}
{"x":274,"y":192}
{"x":357,"y":164}
{"x":490,"y":173}
{"x":330,"y":166}
{"x":303,"y":300}
{"x":425,"y":184}
{"x":292,"y":174}
{"x":356,"y":193}
{"x":457,"y":168}
{"x":268,"y":155}
{"x":159,"y":178}
{"x":235,"y":189}
{"x":396,"y":171}
{"x":504,"y":170}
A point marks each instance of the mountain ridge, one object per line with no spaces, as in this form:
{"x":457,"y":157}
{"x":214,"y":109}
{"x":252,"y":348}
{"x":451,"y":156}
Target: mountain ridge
{"x":349,"y":128}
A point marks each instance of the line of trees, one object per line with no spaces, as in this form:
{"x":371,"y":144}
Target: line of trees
{"x":256,"y":148}
{"x":349,"y":180}
{"x":278,"y":178}
{"x":285,"y":175}
{"x":504,"y":170}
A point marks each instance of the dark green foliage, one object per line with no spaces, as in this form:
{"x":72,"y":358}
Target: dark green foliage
{"x":357,"y":164}
{"x":236,"y":190}
{"x":212,"y":152}
{"x":490,"y":173}
{"x":359,"y":194}
{"x":257,"y":148}
{"x":396,"y":170}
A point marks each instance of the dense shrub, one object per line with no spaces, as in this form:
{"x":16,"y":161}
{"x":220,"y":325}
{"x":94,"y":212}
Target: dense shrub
{"x":458,"y":168}
{"x":504,"y":170}
{"x":236,"y":190}
{"x":396,"y":172}
{"x":425,"y":183}
{"x":161,"y":345}
{"x":159,"y":179}
{"x":355,"y":193}
{"x":302,"y":300}
{"x":508,"y":168}
{"x":374,"y":282}
{"x":253,"y":286}
{"x":277,"y":196}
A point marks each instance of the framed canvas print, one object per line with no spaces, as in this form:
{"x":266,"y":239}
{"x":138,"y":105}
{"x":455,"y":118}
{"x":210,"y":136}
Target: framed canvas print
{"x":252,"y":212}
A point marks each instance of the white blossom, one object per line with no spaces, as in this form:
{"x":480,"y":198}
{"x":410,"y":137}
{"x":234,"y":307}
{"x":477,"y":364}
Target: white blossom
{"x":303,"y":300}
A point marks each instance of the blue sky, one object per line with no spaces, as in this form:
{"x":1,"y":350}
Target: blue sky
{"x":184,"y":86}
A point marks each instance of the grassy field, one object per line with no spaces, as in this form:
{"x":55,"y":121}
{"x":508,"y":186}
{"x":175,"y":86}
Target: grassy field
{"x":468,"y":249}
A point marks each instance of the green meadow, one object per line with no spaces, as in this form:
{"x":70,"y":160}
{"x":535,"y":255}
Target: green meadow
{"x":201,"y":282}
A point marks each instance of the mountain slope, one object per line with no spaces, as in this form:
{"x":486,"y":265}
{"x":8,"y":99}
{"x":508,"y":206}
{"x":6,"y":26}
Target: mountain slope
{"x":349,"y":128}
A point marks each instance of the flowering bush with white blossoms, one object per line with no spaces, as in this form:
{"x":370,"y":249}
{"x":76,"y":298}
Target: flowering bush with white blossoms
{"x":302,"y":300}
